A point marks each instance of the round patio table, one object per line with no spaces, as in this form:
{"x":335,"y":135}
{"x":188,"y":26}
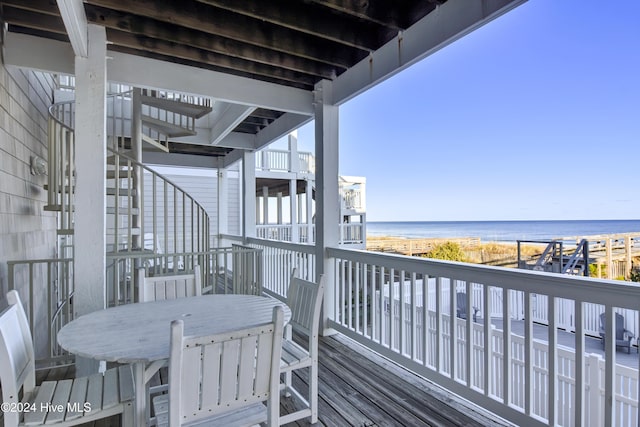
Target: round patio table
{"x":139,"y":333}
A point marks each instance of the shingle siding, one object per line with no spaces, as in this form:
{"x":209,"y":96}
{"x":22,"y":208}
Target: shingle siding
{"x":26,"y":230}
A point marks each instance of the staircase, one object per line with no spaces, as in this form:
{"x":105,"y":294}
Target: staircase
{"x":150,"y":221}
{"x":556,"y":259}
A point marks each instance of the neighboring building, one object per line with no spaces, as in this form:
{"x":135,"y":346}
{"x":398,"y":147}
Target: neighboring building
{"x":283,"y":173}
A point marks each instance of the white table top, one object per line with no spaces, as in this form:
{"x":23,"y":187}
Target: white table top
{"x":140,"y":332}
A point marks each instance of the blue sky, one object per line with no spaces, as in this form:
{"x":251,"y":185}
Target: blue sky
{"x":533,"y":116}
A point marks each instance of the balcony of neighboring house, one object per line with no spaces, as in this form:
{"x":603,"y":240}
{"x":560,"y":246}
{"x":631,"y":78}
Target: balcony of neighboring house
{"x":285,"y":198}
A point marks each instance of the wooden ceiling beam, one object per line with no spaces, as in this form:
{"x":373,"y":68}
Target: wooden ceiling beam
{"x":165,"y":57}
{"x":248,"y":128}
{"x":198,"y":16}
{"x":266,"y":114}
{"x":180,"y":35}
{"x":121,"y":38}
{"x":397,"y":15}
{"x":311,"y":19}
{"x":30,"y":19}
{"x":41,"y":6}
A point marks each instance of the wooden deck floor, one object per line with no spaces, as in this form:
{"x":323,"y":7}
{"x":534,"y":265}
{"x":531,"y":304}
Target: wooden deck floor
{"x":360,"y":389}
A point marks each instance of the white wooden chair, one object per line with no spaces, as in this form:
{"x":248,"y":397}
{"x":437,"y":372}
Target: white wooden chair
{"x":305,"y":300}
{"x":169,"y":287}
{"x":223,"y":379}
{"x":159,"y":288}
{"x":75,"y":402}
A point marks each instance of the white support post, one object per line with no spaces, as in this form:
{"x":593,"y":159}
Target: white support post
{"x":294,"y":159}
{"x":90,"y":197}
{"x":279,"y":207}
{"x":327,"y":190}
{"x":293,"y":209}
{"x":265,"y":205}
{"x":137,"y":241}
{"x":223,"y":202}
{"x":309,"y":199}
{"x":249,"y":195}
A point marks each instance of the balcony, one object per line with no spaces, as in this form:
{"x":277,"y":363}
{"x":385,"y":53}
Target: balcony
{"x":530,"y":361}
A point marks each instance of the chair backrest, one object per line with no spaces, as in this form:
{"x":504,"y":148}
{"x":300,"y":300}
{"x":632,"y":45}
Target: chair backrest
{"x":305,"y":300}
{"x":213,"y":374}
{"x":169,"y":287}
{"x":17,"y":363}
{"x":461,"y":304}
{"x":619,"y":325}
{"x":247,"y":270}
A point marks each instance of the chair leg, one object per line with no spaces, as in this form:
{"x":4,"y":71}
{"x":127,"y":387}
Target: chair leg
{"x":313,"y":391}
{"x":287,"y":383}
{"x":127,"y":415}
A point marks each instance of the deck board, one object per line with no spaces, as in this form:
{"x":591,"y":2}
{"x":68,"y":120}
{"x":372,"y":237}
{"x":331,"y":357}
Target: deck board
{"x":359,"y":389}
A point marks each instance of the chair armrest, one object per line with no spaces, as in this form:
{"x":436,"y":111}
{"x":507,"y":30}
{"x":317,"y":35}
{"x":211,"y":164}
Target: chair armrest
{"x":628,"y":335}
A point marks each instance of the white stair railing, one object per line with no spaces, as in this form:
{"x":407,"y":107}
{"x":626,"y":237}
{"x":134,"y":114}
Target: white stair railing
{"x":175,"y":221}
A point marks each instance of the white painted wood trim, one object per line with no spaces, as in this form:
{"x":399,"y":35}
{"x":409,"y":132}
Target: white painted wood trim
{"x":75,"y":22}
{"x":90,"y":221}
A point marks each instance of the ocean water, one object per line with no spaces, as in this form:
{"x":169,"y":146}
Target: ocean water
{"x":503,"y":231}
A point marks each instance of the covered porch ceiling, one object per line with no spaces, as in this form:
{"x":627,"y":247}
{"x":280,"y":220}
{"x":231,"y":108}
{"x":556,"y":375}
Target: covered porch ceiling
{"x":259,"y":61}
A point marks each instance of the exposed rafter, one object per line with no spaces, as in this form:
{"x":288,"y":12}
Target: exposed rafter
{"x":75,"y":21}
{"x":228,"y":121}
{"x":261,"y":59}
{"x":311,"y":19}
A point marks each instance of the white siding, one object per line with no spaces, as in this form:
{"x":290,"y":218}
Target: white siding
{"x":26,"y":230}
{"x":203,"y":187}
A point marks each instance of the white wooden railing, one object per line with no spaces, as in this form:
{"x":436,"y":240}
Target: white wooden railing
{"x":47,"y":285}
{"x":525,"y":380}
{"x":280,"y":258}
{"x":349,"y":233}
{"x":280,"y":161}
{"x":352,"y":233}
{"x":282,"y":232}
{"x":485,"y":373}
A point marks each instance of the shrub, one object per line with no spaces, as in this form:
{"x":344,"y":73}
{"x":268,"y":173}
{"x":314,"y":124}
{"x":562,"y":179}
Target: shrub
{"x":449,"y":251}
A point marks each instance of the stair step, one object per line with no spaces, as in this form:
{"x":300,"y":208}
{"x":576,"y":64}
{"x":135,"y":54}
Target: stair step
{"x":123,"y":211}
{"x":124,"y":192}
{"x":121,"y":173}
{"x":111,"y":160}
{"x":155,"y":143}
{"x":123,"y":232}
{"x":65,"y":232}
{"x":55,"y":208}
{"x":66,"y":188}
{"x":127,"y":252}
{"x":180,"y":107}
{"x":165,"y":128}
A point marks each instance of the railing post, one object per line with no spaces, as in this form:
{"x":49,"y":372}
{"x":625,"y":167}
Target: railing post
{"x":593,"y":398}
{"x":294,"y":157}
{"x":137,"y":173}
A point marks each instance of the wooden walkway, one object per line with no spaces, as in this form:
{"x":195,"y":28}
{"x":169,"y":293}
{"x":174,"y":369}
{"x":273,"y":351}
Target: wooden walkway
{"x":412,"y":246}
{"x":358,"y":388}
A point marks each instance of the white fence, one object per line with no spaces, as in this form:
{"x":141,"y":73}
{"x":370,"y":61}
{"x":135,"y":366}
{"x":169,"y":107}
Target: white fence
{"x":387,"y":333}
{"x":565,"y":313}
